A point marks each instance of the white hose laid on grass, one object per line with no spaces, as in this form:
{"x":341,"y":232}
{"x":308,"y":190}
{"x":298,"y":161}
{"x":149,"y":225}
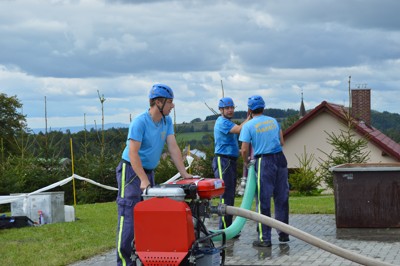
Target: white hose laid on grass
{"x":304,"y":236}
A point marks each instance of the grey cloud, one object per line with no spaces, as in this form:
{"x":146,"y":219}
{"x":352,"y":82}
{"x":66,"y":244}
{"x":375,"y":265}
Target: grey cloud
{"x":122,"y":47}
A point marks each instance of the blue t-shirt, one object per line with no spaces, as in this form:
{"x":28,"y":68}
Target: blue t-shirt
{"x":152,"y":137}
{"x":263,"y":134}
{"x":225,"y":143}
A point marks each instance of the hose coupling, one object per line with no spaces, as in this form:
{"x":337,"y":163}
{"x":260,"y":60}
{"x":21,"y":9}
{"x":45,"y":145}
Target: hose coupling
{"x":220,"y":209}
{"x":242,"y":186}
{"x":251,"y":163}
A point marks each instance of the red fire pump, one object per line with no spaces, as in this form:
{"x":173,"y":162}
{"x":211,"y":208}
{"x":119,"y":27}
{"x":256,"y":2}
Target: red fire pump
{"x":169,"y":224}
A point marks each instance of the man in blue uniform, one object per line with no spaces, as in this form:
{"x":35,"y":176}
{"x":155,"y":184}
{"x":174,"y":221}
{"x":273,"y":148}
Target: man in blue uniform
{"x":265,"y":136}
{"x":148,"y":132}
{"x":226,"y":153}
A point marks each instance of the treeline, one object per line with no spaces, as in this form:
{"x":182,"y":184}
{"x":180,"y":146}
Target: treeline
{"x":85,"y":143}
{"x":44,"y":159}
{"x":277,"y":113}
{"x":388,"y":123}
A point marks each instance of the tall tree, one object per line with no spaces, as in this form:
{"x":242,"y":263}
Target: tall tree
{"x":345,"y":148}
{"x":12,"y":122}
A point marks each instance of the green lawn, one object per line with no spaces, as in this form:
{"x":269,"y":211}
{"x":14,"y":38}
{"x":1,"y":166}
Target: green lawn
{"x":62,"y":243}
{"x":94,"y":233}
{"x":304,"y":205}
{"x":191,"y":136}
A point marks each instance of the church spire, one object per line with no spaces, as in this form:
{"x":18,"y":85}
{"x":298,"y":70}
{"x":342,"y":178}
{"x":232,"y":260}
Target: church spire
{"x":302,"y":111}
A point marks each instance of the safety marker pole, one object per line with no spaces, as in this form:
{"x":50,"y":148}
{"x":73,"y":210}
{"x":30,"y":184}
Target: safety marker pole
{"x":73,"y":173}
{"x":188,"y":154}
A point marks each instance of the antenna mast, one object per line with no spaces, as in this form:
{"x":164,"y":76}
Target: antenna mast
{"x":349,"y":93}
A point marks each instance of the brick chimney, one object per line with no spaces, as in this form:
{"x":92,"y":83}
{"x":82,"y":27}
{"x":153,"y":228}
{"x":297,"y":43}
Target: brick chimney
{"x":361,"y":105}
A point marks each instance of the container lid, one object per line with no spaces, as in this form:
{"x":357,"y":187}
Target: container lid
{"x":366,"y":167}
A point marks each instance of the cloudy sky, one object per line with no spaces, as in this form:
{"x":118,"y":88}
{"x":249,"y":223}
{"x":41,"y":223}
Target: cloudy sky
{"x":69,"y":50}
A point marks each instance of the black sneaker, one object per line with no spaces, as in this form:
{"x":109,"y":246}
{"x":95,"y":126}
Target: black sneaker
{"x":262,"y":244}
{"x":284,"y":239}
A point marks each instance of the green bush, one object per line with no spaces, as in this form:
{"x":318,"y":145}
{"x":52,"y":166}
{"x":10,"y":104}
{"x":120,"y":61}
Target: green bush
{"x":305,"y":178}
{"x":101,"y":171}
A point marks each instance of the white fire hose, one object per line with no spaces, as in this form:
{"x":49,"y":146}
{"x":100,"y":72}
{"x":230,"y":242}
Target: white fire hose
{"x":304,"y":236}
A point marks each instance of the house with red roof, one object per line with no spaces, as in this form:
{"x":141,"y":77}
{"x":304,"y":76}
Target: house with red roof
{"x":310,"y":131}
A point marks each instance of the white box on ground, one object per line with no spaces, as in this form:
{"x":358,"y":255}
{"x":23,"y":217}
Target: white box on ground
{"x":51,"y":204}
{"x":69,"y":213}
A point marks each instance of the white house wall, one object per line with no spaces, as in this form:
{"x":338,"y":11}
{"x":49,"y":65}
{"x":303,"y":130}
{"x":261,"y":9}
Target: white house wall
{"x":312,"y":135}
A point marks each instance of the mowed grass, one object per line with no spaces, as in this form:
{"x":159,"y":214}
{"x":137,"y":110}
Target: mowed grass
{"x":191,"y":136}
{"x":62,"y":243}
{"x":323,"y":204}
{"x":94,"y":233}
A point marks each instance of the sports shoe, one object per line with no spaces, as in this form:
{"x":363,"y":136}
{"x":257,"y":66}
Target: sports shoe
{"x":262,"y":244}
{"x":284,"y":238}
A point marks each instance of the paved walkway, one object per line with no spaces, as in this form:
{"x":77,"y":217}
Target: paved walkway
{"x":380,"y":244}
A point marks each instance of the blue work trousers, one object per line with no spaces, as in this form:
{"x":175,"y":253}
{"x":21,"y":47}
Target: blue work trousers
{"x":129,"y":194}
{"x":272,"y":181}
{"x":226,"y":169}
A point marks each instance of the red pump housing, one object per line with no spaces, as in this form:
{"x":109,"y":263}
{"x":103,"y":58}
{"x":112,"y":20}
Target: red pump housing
{"x":164,"y":231}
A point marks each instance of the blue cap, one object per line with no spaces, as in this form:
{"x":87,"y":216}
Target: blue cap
{"x":255,"y":102}
{"x":226,"y":102}
{"x":161,"y":91}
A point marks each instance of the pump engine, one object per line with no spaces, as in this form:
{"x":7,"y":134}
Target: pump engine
{"x":170,"y":224}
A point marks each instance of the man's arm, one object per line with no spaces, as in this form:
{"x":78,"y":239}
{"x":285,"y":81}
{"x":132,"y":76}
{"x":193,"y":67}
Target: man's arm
{"x":245,"y":152}
{"x":281,"y":137}
{"x":136,"y":163}
{"x":176,"y":156}
{"x":237,"y":128}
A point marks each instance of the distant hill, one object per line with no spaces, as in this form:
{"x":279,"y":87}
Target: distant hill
{"x":388,"y":123}
{"x":76,"y":129}
{"x":277,"y":113}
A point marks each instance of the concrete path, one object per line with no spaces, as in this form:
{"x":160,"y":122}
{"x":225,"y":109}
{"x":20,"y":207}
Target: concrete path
{"x":381,"y":244}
